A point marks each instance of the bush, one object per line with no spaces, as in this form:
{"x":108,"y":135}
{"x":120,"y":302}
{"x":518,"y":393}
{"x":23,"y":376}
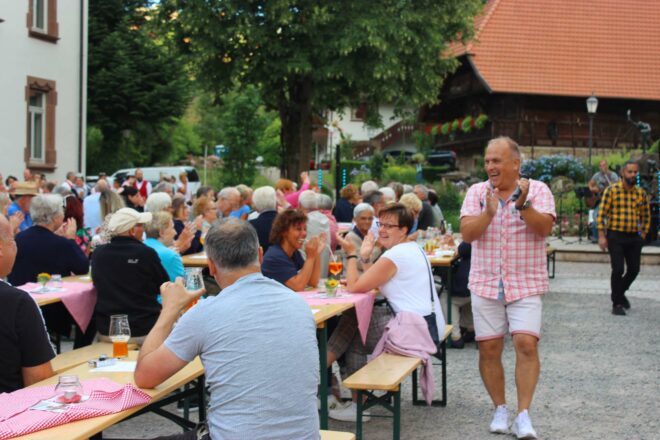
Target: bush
{"x":450,"y":200}
{"x":400,"y":173}
{"x":547,"y":167}
{"x":432,"y":173}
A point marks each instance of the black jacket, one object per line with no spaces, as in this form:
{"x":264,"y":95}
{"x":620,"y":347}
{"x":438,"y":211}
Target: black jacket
{"x":263,"y":224}
{"x":127,"y":275}
{"x":40,"y":250}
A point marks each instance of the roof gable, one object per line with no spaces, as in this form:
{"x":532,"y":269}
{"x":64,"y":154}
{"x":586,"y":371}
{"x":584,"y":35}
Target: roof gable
{"x":568,"y":47}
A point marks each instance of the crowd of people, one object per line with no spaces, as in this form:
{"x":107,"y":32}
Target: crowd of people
{"x":262,"y":244}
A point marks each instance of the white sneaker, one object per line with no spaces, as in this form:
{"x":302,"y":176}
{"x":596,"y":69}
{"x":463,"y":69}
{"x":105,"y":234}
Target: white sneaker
{"x":348,"y":413}
{"x":500,"y":423}
{"x":522,"y":427}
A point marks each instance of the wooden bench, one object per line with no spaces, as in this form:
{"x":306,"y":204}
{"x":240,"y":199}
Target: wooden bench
{"x":551,"y":254}
{"x":385,"y":373}
{"x":336,"y":435}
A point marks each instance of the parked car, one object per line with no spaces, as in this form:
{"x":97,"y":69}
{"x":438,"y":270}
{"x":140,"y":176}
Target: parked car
{"x":154,"y":174}
{"x":442,"y":157}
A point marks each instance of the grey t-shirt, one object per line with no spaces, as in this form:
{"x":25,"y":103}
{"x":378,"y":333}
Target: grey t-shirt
{"x":257,"y":341}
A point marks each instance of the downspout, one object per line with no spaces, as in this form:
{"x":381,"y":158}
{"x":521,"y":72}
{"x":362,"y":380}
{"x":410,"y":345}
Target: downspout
{"x":80,"y":86}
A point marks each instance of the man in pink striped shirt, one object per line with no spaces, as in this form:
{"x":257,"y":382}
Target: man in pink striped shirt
{"x":507,"y":220}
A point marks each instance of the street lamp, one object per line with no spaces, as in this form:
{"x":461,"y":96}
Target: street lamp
{"x":592,"y":106}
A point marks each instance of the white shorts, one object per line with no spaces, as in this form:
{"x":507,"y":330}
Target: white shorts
{"x":493,"y":318}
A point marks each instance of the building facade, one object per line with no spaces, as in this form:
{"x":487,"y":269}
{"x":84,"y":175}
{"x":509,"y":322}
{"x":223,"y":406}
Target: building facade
{"x":43,"y":46}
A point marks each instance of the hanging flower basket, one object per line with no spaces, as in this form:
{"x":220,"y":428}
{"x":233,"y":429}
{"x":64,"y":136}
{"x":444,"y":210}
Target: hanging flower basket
{"x":455,"y":124}
{"x":434,"y":130}
{"x":480,"y":121}
{"x":467,"y":124}
{"x":445,"y":129}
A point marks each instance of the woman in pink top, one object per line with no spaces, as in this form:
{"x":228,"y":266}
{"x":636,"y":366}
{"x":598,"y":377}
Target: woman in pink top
{"x":287,"y":188}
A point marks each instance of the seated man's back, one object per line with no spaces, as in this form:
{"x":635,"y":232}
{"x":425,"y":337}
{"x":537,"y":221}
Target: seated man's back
{"x":257,"y":341}
{"x":127,"y":275}
{"x":258,"y":346}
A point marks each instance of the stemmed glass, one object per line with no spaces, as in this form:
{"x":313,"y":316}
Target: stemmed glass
{"x":120,"y":333}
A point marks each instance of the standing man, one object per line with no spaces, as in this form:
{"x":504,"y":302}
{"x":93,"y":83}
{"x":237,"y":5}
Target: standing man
{"x":143,"y":186}
{"x":601,"y":180}
{"x":623,"y":222}
{"x":257,"y":342}
{"x":508,"y":275}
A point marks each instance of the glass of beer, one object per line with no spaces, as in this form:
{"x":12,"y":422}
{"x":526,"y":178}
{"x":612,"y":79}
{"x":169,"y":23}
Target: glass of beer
{"x":120,"y":333}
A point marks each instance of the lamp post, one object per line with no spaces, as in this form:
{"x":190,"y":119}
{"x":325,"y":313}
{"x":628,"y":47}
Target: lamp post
{"x":592,"y":106}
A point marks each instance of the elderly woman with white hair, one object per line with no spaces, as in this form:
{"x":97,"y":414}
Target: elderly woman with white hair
{"x":317,"y":224}
{"x":49,"y":245}
{"x":265,"y":204}
{"x":160,"y":234}
{"x":363,"y":217}
{"x":158,"y":201}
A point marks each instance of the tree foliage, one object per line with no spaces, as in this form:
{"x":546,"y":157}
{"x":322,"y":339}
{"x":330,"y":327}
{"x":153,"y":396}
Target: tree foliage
{"x":307,"y":56}
{"x":136,"y":87}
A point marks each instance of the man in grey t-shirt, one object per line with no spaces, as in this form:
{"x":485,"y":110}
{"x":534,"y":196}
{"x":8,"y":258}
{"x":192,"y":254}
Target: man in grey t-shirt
{"x":257,"y":341}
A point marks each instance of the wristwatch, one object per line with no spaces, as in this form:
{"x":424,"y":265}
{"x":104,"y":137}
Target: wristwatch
{"x":524,"y":206}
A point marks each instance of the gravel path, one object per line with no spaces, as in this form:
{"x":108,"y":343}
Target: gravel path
{"x":599,"y":379}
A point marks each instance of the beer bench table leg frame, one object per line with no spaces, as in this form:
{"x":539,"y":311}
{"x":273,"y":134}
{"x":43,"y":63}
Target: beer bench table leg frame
{"x":322,"y":336}
{"x":386,"y":402}
{"x":183,"y":422}
{"x":443,"y":363}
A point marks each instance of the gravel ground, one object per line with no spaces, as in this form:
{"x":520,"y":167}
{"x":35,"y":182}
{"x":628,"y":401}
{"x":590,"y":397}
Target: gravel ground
{"x":599,"y":377}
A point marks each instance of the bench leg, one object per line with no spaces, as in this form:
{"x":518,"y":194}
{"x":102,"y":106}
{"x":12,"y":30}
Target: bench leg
{"x":443,"y":364}
{"x":358,"y":426}
{"x":396,"y":428}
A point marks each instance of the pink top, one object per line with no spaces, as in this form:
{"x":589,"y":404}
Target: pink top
{"x":292,"y":198}
{"x":407,"y":334}
{"x":105,"y":397}
{"x":78,"y":298}
{"x":508,"y":250}
{"x":363,"y":303}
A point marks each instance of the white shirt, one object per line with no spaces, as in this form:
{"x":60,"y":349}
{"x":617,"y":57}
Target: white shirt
{"x":409,"y":289}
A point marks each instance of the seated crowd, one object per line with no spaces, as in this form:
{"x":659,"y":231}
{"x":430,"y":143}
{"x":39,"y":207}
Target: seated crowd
{"x":260,"y":244}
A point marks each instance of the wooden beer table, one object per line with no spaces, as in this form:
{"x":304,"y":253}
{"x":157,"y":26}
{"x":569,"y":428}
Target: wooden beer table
{"x":321,"y":314}
{"x":443,"y":265}
{"x":195,"y":260}
{"x":164,"y":394}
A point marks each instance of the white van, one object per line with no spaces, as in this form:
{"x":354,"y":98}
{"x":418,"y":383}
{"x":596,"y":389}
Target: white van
{"x":154,"y":175}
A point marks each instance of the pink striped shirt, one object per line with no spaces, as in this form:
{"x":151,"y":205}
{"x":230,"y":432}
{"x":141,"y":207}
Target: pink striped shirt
{"x":508,"y":250}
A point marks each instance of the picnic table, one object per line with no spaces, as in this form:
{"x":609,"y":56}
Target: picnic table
{"x":195,"y":260}
{"x":161,"y":395}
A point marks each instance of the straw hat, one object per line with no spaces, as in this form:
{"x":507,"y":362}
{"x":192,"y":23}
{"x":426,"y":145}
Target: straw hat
{"x":25,"y":189}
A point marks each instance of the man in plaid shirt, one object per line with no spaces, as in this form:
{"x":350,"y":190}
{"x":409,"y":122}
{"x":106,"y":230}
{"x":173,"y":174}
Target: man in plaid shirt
{"x":507,"y":229}
{"x":623,"y":222}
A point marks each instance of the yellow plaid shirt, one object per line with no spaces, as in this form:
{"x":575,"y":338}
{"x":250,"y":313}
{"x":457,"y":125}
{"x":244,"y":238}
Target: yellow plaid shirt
{"x":624,"y":210}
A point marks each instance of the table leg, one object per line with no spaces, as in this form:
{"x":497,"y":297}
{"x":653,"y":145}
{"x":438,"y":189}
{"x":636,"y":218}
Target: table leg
{"x":322,"y":335}
{"x":449,"y":271}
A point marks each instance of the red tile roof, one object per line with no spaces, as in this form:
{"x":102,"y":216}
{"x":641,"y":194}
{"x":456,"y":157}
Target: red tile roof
{"x":568,"y":47}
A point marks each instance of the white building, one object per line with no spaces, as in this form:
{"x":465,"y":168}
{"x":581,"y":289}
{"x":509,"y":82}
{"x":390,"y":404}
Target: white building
{"x":394,"y":136}
{"x":43,"y":47}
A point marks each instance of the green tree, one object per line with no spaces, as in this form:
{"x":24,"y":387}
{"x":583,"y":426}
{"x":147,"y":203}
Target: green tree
{"x":136,"y":86}
{"x":242,"y":124}
{"x":308,"y":56}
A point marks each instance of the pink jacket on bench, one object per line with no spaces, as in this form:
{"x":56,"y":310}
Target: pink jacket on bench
{"x":407,"y":334}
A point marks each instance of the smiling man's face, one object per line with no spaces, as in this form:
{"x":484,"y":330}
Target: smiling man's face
{"x":501,"y":165}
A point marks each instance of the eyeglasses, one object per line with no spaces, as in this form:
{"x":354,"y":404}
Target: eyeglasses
{"x":386,"y":225}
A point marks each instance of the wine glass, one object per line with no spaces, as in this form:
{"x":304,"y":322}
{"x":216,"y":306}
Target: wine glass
{"x":120,"y":333}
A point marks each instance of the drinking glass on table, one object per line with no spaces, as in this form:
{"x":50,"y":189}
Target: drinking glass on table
{"x":56,"y":279}
{"x":68,"y":389}
{"x":120,"y":333}
{"x":335,"y":267}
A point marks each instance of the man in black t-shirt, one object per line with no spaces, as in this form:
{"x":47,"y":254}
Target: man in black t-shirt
{"x":24,"y":346}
